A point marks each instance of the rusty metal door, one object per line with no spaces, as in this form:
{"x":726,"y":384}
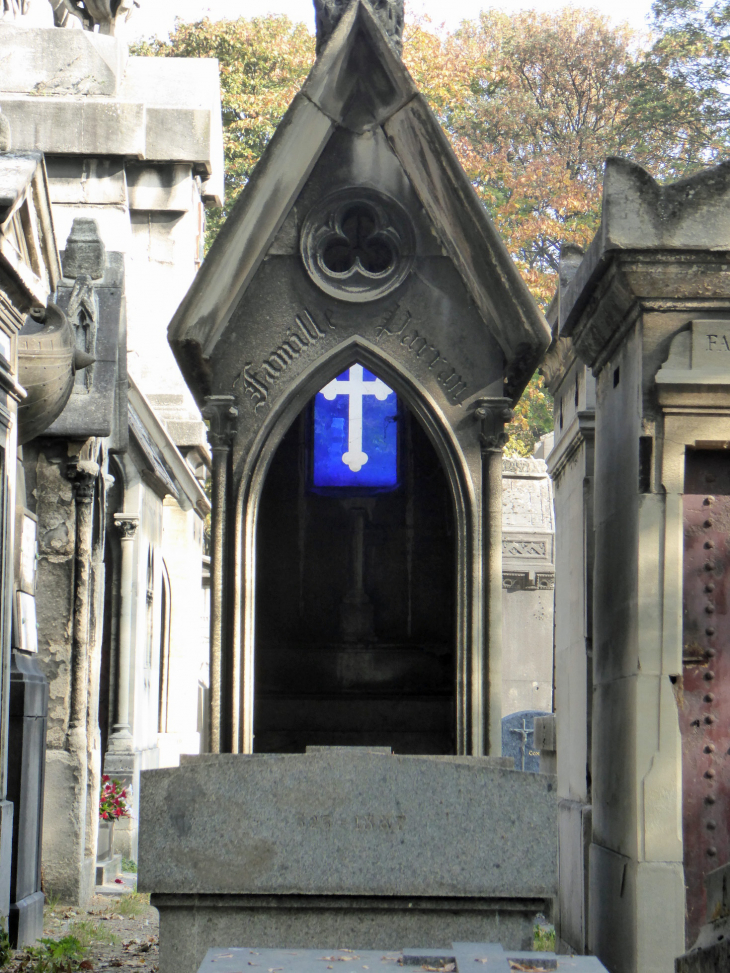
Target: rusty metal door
{"x":704,"y":713}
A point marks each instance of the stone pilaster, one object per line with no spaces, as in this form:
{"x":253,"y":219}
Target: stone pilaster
{"x":492,"y":414}
{"x":221,"y":414}
{"x":121,"y":736}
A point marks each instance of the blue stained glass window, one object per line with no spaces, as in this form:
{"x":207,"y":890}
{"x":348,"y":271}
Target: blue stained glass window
{"x":356,"y":432}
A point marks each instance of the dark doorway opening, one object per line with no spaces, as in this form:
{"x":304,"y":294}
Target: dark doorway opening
{"x":355,"y":605}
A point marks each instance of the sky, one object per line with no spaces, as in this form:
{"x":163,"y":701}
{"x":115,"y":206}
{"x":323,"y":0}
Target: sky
{"x":157,"y":16}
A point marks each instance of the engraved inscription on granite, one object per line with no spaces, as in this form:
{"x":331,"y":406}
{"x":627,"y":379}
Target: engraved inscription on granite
{"x":354,"y":822}
{"x":339,"y":823}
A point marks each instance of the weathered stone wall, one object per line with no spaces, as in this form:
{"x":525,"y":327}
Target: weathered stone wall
{"x":100,"y":110}
{"x":571,"y":465}
{"x":70,"y":584}
{"x":528,"y":581}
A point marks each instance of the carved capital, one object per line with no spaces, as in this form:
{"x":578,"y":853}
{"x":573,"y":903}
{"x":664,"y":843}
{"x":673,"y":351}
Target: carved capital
{"x":493,"y":414}
{"x":221,"y":414}
{"x":127,"y":525}
{"x":558,"y":359}
{"x":83,"y":474}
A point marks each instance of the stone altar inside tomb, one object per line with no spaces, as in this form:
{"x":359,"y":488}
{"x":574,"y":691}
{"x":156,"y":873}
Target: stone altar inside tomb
{"x":344,"y":845}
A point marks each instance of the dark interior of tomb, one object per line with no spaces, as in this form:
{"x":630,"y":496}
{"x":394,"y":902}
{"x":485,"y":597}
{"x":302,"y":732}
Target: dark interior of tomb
{"x":344,"y":663}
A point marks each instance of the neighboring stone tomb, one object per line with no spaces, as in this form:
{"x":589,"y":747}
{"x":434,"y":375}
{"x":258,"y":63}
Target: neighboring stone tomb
{"x":570,"y":463}
{"x":344,"y":846}
{"x":133,"y":152}
{"x":528,"y":581}
{"x":648,"y":310}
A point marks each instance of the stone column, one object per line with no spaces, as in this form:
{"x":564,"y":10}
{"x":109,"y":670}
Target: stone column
{"x":121,"y":736}
{"x":220,"y":412}
{"x":492,"y":413}
{"x":84,"y":475}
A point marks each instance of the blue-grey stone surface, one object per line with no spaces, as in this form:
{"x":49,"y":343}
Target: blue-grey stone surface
{"x":518,"y":739}
{"x":460,"y":958}
{"x":341,"y":823}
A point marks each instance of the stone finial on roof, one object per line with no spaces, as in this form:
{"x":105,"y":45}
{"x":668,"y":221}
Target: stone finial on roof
{"x":85,"y":254}
{"x":329,"y":13}
{"x":13,"y":8}
{"x":107,"y":15}
{"x":60,"y":13}
{"x":571,"y":257}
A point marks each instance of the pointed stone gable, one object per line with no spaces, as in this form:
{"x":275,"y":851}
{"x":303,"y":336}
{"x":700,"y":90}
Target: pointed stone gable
{"x":360,"y":123}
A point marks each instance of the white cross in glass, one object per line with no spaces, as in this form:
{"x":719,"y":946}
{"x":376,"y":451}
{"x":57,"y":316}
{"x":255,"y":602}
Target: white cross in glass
{"x":355,"y":387}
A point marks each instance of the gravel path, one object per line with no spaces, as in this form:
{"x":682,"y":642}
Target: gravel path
{"x":119,"y":929}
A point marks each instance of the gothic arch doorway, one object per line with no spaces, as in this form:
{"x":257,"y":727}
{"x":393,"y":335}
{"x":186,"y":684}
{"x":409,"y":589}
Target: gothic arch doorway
{"x":355,"y":636}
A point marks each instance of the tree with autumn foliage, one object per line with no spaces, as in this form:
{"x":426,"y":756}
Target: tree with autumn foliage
{"x":533,"y":104}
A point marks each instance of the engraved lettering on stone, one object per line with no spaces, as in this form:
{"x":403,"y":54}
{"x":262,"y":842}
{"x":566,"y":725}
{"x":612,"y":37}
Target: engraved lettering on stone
{"x":257,"y":384}
{"x":395,"y":326}
{"x":717,"y":342}
{"x":386,"y":823}
{"x":320,"y":821}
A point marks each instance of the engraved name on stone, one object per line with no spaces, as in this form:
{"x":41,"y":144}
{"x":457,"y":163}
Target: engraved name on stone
{"x":385,"y":823}
{"x":717,"y":343}
{"x":397,"y":325}
{"x":710,"y":344}
{"x":257,"y":383}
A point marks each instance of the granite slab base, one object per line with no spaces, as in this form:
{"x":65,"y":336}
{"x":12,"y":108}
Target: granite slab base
{"x":191,"y":924}
{"x":459,"y":957}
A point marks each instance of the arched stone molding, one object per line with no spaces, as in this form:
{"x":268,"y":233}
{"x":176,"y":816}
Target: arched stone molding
{"x":460,"y":451}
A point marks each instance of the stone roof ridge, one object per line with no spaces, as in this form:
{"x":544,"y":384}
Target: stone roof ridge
{"x":359,"y":83}
{"x":390,"y":13}
{"x":641,"y":213}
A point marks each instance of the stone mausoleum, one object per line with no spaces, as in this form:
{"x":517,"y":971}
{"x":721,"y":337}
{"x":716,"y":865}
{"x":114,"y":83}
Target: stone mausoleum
{"x":639,"y":367}
{"x":356,"y":338}
{"x":112,"y":160}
